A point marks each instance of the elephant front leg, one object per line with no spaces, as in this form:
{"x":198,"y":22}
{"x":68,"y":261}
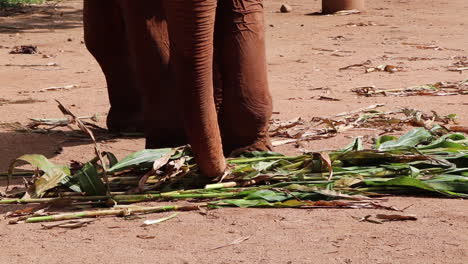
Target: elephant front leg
{"x":146,"y":27}
{"x":247,"y":105}
{"x":191,"y":28}
{"x":106,"y":39}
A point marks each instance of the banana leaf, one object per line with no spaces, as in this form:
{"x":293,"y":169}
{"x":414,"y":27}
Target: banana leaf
{"x":410,"y":139}
{"x":52,"y":177}
{"x":142,"y":159}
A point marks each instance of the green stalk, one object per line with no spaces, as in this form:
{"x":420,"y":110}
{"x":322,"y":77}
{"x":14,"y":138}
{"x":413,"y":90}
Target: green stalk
{"x":129,"y":198}
{"x":27,"y":201}
{"x":113,"y":212}
{"x":251,"y":160}
{"x":220,"y":185}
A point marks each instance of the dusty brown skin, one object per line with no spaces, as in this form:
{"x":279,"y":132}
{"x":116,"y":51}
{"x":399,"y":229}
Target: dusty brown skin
{"x":284,"y":235}
{"x":158,"y":59}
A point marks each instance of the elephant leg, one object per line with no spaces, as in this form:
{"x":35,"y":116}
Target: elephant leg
{"x":191,"y":29}
{"x":247,"y":104}
{"x":106,"y":39}
{"x":146,"y":25}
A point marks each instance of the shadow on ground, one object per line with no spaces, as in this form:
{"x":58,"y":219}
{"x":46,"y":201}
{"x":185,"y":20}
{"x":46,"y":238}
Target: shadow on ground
{"x":16,"y":144}
{"x":39,"y":18}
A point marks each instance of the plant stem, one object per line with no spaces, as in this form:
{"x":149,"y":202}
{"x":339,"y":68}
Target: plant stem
{"x":114,"y":212}
{"x":129,"y":198}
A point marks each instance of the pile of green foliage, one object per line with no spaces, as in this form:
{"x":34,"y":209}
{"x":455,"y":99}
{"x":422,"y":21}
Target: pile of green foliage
{"x":421,"y":162}
{"x":16,"y":3}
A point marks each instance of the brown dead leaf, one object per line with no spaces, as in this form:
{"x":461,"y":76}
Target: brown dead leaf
{"x":235,"y":242}
{"x":326,"y":98}
{"x":367,"y":62}
{"x":395,"y":217}
{"x":462,"y":129}
{"x":325,"y":157}
{"x":347,"y":12}
{"x":145,"y":237}
{"x":73,"y":224}
{"x":384,"y":68}
{"x":156,"y":166}
{"x":436,"y":89}
{"x":24,"y":49}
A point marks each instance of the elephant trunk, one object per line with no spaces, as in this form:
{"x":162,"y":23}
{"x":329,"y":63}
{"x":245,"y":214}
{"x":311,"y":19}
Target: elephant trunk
{"x":191,"y":27}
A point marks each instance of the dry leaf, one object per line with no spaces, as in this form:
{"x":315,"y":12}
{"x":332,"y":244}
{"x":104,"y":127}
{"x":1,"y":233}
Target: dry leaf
{"x":70,"y":224}
{"x":235,"y":242}
{"x":395,"y":217}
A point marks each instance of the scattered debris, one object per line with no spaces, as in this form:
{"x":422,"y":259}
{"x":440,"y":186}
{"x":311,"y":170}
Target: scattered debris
{"x":437,"y":89}
{"x":25,"y":49}
{"x":462,"y":129}
{"x":364,"y":64}
{"x":13,"y":126}
{"x":394,"y":217}
{"x":360,"y":24}
{"x":339,"y":37}
{"x":347,"y":12}
{"x":299,"y":129}
{"x":326,"y":98}
{"x":384,"y":68}
{"x":145,"y":237}
{"x":459,"y":69}
{"x":428,"y":46}
{"x":62,"y":122}
{"x":285,"y":8}
{"x":334,"y":51}
{"x":157,"y":221}
{"x":73,"y":224}
{"x":233,"y":243}
{"x":59,"y":88}
{"x":460,"y":65}
{"x":381,"y":218}
{"x":50,"y":64}
{"x":20,"y":101}
{"x":364,"y":109}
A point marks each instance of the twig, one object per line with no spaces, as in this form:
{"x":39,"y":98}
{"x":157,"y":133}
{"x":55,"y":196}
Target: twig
{"x":363,"y":109}
{"x":114,"y":212}
{"x":235,"y":242}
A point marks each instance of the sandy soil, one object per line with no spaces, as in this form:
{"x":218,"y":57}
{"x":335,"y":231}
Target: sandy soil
{"x":297,"y":65}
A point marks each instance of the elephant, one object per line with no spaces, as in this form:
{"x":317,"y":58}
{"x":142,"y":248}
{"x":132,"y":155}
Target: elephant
{"x":186,"y":71}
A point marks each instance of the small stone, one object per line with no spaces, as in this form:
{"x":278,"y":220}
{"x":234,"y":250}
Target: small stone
{"x":285,"y":8}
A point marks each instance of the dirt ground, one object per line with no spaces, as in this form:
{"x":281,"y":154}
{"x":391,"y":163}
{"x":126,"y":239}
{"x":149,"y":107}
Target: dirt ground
{"x":298,"y":63}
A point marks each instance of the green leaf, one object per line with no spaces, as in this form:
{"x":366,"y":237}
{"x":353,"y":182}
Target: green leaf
{"x":356,"y":145}
{"x":241,"y":203}
{"x":446,"y":141}
{"x":379,"y":141}
{"x":401,"y":182}
{"x":268,"y":195}
{"x":89,"y":180}
{"x":410,"y":139}
{"x":142,"y":159}
{"x":53,"y":174}
{"x":260,"y":154}
{"x":112,"y":159}
{"x":265,"y":165}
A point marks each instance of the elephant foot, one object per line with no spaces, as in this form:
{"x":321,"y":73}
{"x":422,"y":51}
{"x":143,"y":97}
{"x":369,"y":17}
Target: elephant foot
{"x":263,"y":144}
{"x":124,"y":123}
